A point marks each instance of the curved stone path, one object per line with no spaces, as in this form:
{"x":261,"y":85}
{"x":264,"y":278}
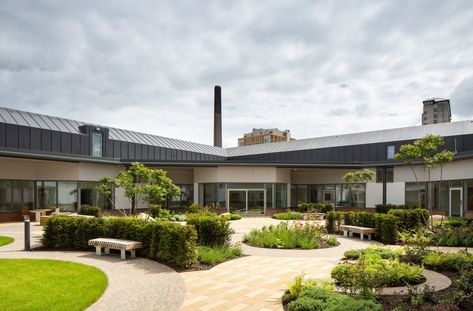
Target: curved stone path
{"x":137,"y":284}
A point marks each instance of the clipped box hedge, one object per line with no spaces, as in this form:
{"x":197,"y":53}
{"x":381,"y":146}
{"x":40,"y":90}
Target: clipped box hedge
{"x":410,"y":219}
{"x":211,"y":230}
{"x":164,"y":241}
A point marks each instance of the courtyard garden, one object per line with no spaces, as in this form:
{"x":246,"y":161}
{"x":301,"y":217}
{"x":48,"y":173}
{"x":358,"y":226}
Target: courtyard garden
{"x":37,"y":284}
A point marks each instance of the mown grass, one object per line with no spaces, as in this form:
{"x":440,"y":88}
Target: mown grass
{"x":5,"y":240}
{"x":214,"y":255}
{"x":39,"y":284}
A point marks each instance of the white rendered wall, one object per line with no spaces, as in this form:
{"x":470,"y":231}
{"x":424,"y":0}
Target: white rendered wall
{"x":461,"y":169}
{"x":395,"y":193}
{"x":374,"y":194}
{"x":240,"y":174}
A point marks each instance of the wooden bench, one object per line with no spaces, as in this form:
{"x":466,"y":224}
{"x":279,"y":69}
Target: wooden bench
{"x":122,"y":245}
{"x":349,"y":230}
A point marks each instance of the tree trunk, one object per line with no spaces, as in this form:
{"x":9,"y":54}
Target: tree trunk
{"x":429,"y":199}
{"x":418,"y":186}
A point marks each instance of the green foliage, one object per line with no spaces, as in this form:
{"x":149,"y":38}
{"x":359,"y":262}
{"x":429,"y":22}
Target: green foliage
{"x":288,"y":216}
{"x":383,"y":252}
{"x":417,"y":297}
{"x":217,"y":254}
{"x":385,"y":208}
{"x":232,"y":216}
{"x":211,"y":230}
{"x":141,"y":182}
{"x":371,"y":272}
{"x":447,"y":261}
{"x":179,"y":217}
{"x":195,"y":208}
{"x":311,"y":207}
{"x":361,"y":176}
{"x":90,"y":210}
{"x":386,"y":228}
{"x":158,"y":213}
{"x":411,"y":218}
{"x":317,"y":298}
{"x":415,"y":244}
{"x":301,"y":283}
{"x":284,"y":235}
{"x":454,"y":233}
{"x":165,"y":241}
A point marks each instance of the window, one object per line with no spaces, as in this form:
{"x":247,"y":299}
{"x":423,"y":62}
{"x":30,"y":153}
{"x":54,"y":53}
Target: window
{"x":390,"y":150}
{"x":67,"y":196}
{"x":97,"y":144}
{"x":380,"y":174}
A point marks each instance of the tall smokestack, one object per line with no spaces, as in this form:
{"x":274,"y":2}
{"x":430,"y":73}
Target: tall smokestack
{"x":218,"y":116}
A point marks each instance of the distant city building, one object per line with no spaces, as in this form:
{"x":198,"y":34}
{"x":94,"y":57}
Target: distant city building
{"x":436,"y":110}
{"x":263,"y":136}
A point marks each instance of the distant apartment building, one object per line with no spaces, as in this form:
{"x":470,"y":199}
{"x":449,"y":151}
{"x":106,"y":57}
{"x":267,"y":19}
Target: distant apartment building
{"x":263,"y":136}
{"x":436,"y":110}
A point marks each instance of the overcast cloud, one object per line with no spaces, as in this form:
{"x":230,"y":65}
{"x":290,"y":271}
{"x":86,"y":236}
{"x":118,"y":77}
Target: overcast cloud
{"x":315,"y":67}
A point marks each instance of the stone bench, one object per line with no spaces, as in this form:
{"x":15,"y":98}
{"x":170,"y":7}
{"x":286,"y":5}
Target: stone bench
{"x":122,"y":245}
{"x":349,"y":230}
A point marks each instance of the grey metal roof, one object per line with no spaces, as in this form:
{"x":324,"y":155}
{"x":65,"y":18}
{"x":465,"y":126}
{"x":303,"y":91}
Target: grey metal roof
{"x":398,"y":134}
{"x":18,"y":117}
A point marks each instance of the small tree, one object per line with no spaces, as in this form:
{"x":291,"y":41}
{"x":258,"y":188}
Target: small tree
{"x":425,"y":152}
{"x":141,"y":183}
{"x":358,"y":177}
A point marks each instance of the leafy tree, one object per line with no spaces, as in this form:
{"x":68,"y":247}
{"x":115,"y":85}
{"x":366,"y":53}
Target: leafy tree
{"x":425,"y":151}
{"x":358,"y":177}
{"x":141,"y":184}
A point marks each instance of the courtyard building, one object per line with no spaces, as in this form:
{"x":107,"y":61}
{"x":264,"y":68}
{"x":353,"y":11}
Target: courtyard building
{"x":51,"y":162}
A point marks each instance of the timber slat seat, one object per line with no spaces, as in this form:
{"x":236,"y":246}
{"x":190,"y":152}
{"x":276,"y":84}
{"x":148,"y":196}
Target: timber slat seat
{"x":122,"y":245}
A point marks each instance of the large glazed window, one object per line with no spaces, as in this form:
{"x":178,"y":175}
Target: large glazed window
{"x":5,"y":196}
{"x":97,"y":140}
{"x":67,"y":196}
{"x":46,"y":194}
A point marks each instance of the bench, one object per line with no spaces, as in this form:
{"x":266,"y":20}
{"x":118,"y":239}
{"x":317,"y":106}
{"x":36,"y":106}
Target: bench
{"x":122,"y":245}
{"x":349,"y":230}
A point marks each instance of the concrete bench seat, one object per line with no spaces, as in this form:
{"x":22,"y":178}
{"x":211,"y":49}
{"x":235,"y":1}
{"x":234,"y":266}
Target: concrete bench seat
{"x":122,"y":245}
{"x":349,"y":230}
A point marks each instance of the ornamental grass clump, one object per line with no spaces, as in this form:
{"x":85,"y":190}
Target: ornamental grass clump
{"x":288,"y":236}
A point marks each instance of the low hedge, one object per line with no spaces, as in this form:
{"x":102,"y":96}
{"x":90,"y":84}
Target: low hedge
{"x":410,"y":219}
{"x":314,"y":206}
{"x":90,"y":210}
{"x":164,"y":241}
{"x":211,"y":230}
{"x":385,"y":208}
{"x":287,"y":216}
{"x":385,"y":224}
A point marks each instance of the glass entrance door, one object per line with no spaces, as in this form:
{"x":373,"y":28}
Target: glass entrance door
{"x":237,"y":201}
{"x":247,"y":201}
{"x":456,"y":204}
{"x":256,"y":201}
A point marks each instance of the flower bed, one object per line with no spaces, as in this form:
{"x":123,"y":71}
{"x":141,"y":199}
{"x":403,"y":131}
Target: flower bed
{"x":288,"y":236}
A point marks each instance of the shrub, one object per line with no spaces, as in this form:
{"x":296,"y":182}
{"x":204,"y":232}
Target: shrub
{"x":383,"y":252}
{"x":90,"y":210}
{"x":179,"y":217}
{"x":461,"y":235}
{"x":410,"y":219}
{"x":386,"y":228}
{"x":371,"y":272}
{"x":157,"y":212}
{"x":310,"y":207}
{"x":333,"y":221}
{"x":384,"y":208}
{"x":211,"y":230}
{"x":284,"y":235}
{"x":195,"y":208}
{"x":165,"y":241}
{"x":316,"y":298}
{"x":447,"y":261}
{"x":232,"y":216}
{"x":288,"y":216}
{"x":214,"y":255}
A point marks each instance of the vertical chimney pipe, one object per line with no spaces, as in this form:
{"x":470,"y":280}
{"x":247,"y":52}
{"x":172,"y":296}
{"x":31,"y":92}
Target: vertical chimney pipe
{"x":218,"y":116}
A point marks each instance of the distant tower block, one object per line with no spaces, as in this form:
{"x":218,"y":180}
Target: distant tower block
{"x":436,"y":110}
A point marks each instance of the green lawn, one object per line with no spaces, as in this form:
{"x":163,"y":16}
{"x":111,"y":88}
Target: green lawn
{"x":4,"y":240}
{"x":37,"y":284}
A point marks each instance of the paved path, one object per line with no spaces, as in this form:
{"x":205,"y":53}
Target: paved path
{"x":137,"y":284}
{"x":258,"y":281}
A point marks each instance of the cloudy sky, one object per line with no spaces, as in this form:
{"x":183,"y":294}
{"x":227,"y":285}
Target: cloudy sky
{"x":315,"y":67}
